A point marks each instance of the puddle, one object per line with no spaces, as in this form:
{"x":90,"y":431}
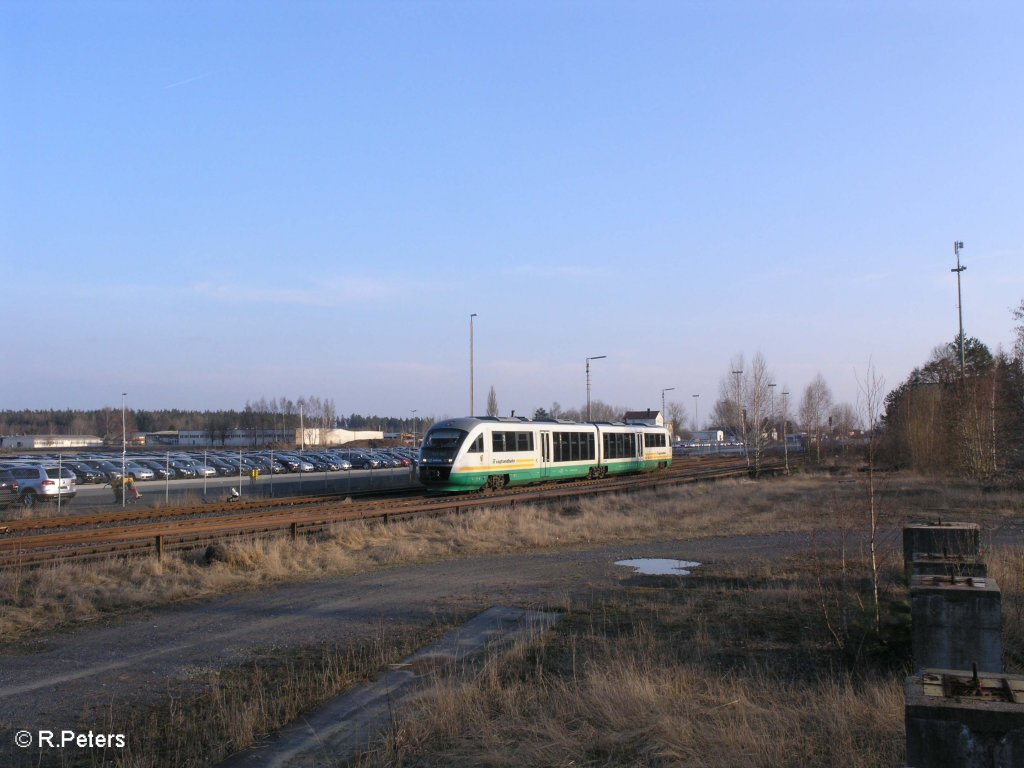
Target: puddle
{"x":648,"y":566}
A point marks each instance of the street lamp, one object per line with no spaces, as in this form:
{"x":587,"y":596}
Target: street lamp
{"x":666,"y":389}
{"x":959,"y":304}
{"x":472,"y":404}
{"x":124,"y":447}
{"x":696,"y":420}
{"x":596,"y":357}
{"x":785,"y":417}
{"x":414,"y":425}
{"x":771,"y":387}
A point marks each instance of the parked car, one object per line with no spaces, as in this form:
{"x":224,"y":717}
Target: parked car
{"x":294,"y":462}
{"x":160,"y":469}
{"x":397,"y":456}
{"x":136,"y":471}
{"x":85,"y":474}
{"x":204,"y":470}
{"x":183,"y":469}
{"x":388,"y":462}
{"x":223,"y":468}
{"x":108,"y":468}
{"x":43,"y":483}
{"x":361,"y":460}
{"x":8,"y":488}
{"x":319,"y":463}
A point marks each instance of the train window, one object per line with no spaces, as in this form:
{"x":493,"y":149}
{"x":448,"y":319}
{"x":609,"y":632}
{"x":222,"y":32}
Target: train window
{"x":654,"y":441}
{"x":443,"y":438}
{"x":477,"y":446}
{"x":503,"y":442}
{"x":619,"y":446}
{"x":442,"y":443}
{"x":573,"y":446}
{"x":561,"y":446}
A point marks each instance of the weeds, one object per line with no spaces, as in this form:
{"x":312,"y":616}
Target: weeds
{"x":38,"y":599}
{"x":754,"y":664}
{"x":720,"y":670}
{"x":205,"y":719}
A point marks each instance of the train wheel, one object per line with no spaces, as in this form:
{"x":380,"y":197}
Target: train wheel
{"x":495,"y":482}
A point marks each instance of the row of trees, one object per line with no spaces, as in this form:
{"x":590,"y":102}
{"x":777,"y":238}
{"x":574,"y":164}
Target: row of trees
{"x":962,"y":412}
{"x":280,"y":413}
{"x":753,"y":409}
{"x":966,"y":419}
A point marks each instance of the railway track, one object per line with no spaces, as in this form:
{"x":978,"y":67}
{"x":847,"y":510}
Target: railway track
{"x":39,"y":541}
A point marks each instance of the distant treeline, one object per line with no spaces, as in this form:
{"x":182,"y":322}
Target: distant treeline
{"x":276,"y":413}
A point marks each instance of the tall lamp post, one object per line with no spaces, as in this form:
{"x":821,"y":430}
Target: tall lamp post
{"x":666,"y":389}
{"x":785,"y":418}
{"x":596,"y":357}
{"x":124,"y":447}
{"x":472,"y":391}
{"x":696,"y":420}
{"x":959,"y":304}
{"x":771,"y":388}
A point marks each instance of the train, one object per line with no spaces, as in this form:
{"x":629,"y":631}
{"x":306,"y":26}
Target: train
{"x":491,"y":452}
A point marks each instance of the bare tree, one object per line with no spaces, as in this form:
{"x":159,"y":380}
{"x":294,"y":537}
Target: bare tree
{"x":814,"y":408}
{"x":728,"y":410}
{"x":677,"y":418}
{"x":492,"y":402}
{"x":600,"y":411}
{"x":872,"y":398}
{"x":758,"y":395}
{"x":844,"y":419}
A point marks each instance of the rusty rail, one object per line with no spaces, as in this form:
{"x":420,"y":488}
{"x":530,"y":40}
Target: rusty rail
{"x":158,"y":531}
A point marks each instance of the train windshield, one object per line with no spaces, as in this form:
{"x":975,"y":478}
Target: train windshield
{"x":443,"y":443}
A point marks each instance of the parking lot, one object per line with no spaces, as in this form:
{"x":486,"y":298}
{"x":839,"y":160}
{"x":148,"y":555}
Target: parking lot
{"x":87,"y":479}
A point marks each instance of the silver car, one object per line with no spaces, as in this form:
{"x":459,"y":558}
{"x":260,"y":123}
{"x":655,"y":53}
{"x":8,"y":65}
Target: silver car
{"x":43,"y":483}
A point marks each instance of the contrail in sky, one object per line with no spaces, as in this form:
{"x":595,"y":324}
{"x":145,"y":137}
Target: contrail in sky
{"x":184,"y":82}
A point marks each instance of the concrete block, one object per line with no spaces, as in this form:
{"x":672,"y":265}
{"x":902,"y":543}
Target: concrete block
{"x":955,"y":719}
{"x":940,"y":539}
{"x":929,"y":564}
{"x":956,"y":622}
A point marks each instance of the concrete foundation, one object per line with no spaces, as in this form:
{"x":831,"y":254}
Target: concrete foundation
{"x":957,"y":720}
{"x":940,"y":539}
{"x":956,"y":622}
{"x":948,"y":565}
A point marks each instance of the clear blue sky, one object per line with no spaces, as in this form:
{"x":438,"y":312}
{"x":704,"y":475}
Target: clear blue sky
{"x":205,"y":203}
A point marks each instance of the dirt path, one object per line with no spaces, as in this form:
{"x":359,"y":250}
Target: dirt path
{"x":134,"y":660}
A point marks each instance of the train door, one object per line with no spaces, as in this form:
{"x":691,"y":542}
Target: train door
{"x":545,"y":452}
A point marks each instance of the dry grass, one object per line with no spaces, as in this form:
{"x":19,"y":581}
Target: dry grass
{"x":734,"y":668}
{"x":753,"y":664}
{"x":1006,"y":566}
{"x":33,"y":600}
{"x":236,"y":707}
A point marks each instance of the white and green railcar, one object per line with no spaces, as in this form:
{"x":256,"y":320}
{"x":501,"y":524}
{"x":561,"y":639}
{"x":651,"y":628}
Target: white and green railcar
{"x":467,"y":454}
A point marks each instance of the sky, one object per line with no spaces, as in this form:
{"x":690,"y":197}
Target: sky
{"x":206,"y":203}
